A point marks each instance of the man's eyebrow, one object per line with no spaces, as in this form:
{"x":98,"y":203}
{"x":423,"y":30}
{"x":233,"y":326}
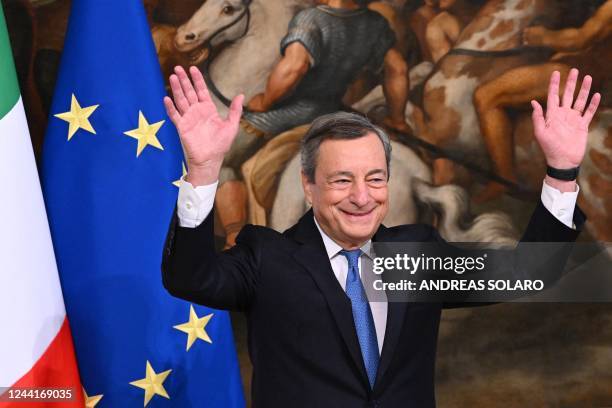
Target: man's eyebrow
{"x":340,"y":173}
{"x":376,"y":171}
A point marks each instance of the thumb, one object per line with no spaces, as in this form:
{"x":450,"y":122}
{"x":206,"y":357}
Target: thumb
{"x":235,"y":109}
{"x":539,"y":124}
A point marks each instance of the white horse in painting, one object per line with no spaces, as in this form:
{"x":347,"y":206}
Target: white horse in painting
{"x":252,"y":31}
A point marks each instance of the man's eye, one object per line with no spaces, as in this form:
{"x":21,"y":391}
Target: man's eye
{"x":377,"y":182}
{"x":342,"y":181}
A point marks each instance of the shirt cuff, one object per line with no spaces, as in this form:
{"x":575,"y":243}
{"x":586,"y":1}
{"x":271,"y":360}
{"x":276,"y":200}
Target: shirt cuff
{"x":560,"y":205}
{"x":194,"y":204}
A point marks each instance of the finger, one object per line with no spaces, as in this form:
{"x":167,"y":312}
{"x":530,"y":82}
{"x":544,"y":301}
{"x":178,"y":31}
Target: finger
{"x":590,"y":112}
{"x":200,"y":85}
{"x":583,"y":95}
{"x":179,"y":97}
{"x":235,"y":109}
{"x":553,"y":91}
{"x":539,"y":124}
{"x":570,"y":87}
{"x":188,"y":90}
{"x":173,"y":114}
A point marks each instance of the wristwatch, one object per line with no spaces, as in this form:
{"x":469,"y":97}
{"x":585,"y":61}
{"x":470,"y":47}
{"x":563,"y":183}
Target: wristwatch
{"x":563,"y":174}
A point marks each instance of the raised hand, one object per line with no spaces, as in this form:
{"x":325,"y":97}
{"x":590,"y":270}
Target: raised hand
{"x":562,"y":132}
{"x":205,"y":136}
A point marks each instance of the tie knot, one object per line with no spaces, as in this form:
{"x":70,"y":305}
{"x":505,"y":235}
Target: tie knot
{"x":352,"y":256}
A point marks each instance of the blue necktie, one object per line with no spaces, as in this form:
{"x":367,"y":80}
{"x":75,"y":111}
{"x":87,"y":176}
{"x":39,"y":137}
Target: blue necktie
{"x":362,"y":315}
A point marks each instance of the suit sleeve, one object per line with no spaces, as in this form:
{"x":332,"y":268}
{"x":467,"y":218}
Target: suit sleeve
{"x":194,"y":271}
{"x":543,"y":261}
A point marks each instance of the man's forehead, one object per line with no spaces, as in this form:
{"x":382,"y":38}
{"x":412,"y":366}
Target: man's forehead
{"x":367,"y":148}
{"x":353,"y":145}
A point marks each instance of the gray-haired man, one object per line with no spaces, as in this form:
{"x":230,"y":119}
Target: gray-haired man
{"x":315,"y":339}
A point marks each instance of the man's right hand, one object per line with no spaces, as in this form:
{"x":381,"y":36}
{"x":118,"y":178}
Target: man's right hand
{"x":205,"y":136}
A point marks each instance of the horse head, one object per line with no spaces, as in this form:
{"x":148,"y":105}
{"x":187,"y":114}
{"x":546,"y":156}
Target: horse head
{"x":215,"y":22}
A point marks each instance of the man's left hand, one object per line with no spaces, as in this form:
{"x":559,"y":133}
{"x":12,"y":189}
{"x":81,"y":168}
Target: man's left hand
{"x":562,"y":133}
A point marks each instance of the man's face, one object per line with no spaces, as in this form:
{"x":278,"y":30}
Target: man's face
{"x":349,"y":196}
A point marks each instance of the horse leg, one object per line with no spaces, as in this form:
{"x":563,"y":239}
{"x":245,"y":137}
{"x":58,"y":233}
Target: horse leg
{"x":443,"y":171}
{"x":514,"y":88}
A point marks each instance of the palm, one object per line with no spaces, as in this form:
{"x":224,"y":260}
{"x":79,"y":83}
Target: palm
{"x":203,"y":132}
{"x":205,"y":136}
{"x":562,"y":134}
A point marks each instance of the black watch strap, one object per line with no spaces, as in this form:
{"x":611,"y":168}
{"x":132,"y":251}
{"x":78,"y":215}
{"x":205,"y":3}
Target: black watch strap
{"x":563,"y":174}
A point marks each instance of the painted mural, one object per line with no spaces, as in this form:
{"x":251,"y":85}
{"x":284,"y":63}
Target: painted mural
{"x":451,"y":81}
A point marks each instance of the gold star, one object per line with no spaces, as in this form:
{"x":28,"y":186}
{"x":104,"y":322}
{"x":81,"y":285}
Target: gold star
{"x":145,"y":133}
{"x":178,"y":182}
{"x":77,"y":117}
{"x":153,"y":384}
{"x":195,"y":328}
{"x":91,"y":402}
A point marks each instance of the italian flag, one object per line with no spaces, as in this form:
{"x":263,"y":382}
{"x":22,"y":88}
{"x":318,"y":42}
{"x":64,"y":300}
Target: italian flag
{"x":35,"y":342}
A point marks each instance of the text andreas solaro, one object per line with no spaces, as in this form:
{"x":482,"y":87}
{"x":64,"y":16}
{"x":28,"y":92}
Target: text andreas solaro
{"x":461,"y":272}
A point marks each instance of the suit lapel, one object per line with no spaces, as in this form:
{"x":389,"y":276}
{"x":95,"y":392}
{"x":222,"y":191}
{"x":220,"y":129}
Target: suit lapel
{"x":395,"y":320}
{"x":396,"y":312}
{"x":311,"y":255}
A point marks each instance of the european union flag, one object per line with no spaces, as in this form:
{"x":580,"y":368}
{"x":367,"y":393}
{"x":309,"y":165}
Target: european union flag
{"x":110,"y":159}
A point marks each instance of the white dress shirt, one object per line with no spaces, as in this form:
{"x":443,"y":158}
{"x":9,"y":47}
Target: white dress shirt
{"x":340,"y":266}
{"x":194,"y":205}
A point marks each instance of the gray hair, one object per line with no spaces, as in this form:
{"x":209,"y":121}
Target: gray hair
{"x":336,"y":126}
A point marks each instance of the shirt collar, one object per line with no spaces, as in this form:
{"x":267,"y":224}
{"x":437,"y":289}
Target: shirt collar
{"x":332,"y":248}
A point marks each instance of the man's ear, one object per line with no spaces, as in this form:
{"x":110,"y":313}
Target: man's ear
{"x":307,"y":186}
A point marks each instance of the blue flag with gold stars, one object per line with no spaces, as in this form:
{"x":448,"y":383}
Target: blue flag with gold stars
{"x":110,"y":158}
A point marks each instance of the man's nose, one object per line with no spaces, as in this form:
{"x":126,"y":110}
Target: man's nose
{"x":360,"y":194}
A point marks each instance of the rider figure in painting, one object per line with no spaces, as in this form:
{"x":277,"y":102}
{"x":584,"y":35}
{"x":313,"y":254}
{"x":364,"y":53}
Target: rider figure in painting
{"x":323,"y":52}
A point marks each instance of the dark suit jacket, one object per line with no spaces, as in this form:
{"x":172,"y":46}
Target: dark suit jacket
{"x":302,"y":339}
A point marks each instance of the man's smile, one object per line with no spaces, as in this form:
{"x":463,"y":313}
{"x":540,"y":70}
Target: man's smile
{"x":358,"y":215}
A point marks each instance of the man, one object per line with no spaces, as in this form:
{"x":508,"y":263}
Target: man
{"x":325,"y":49}
{"x":314,"y":338}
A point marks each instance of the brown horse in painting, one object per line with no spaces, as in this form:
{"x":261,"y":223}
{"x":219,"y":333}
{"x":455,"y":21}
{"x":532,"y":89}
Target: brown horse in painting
{"x":487,"y":47}
{"x":455,"y":96}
